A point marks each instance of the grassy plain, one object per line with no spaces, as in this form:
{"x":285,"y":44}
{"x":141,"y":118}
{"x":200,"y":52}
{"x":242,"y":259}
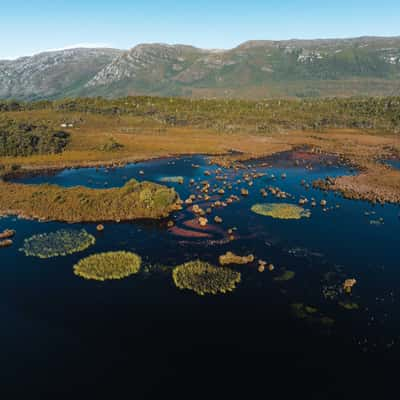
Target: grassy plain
{"x":148,"y":135}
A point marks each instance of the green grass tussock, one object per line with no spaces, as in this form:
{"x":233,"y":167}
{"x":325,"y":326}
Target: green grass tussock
{"x":204,"y":278}
{"x":60,"y":243}
{"x":110,"y":265}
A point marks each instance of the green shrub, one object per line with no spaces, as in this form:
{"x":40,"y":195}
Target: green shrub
{"x":19,"y":138}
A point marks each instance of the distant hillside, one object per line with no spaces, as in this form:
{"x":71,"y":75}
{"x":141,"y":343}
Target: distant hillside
{"x":255,"y":69}
{"x":52,"y":74}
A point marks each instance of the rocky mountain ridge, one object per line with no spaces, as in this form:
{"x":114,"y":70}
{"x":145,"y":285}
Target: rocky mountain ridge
{"x":290,"y":68}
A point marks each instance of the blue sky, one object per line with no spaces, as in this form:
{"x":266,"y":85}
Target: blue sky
{"x":28,"y":27}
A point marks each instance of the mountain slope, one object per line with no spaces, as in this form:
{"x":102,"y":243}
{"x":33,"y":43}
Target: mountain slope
{"x":52,"y":74}
{"x":292,"y":68}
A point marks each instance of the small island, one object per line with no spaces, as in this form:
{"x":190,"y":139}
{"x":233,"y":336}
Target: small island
{"x":135,"y":200}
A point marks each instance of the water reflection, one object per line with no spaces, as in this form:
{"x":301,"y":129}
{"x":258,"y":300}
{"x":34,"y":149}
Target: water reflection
{"x":318,"y":254}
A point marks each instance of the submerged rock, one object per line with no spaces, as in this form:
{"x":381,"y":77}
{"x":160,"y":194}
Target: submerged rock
{"x":189,"y":233}
{"x":379,"y":221}
{"x":286,"y":276}
{"x":311,"y":314}
{"x":349,"y":305}
{"x":303,"y":311}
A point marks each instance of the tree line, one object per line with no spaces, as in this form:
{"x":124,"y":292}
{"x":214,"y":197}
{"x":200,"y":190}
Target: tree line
{"x":224,"y":115}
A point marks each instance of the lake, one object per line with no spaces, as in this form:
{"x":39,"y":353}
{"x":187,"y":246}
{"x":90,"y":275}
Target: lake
{"x":145,"y":335}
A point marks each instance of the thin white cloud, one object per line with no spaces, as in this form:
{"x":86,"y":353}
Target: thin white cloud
{"x":86,"y":45}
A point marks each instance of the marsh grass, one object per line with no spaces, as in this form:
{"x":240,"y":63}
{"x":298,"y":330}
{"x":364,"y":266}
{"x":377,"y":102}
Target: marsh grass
{"x":311,"y":315}
{"x":281,"y":210}
{"x":172,"y":179}
{"x":55,"y":244}
{"x":81,"y":204}
{"x":107,"y":266}
{"x":361,"y":130}
{"x":285,"y":276}
{"x":231,"y":258}
{"x":204,"y":278}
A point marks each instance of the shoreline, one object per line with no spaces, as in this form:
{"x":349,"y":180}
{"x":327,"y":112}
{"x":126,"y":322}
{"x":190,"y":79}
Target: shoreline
{"x":34,"y":170}
{"x":355,"y":187}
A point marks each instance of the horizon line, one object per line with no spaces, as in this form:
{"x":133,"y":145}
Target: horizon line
{"x":89,"y":46}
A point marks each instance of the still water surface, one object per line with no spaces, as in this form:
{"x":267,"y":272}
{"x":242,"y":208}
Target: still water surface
{"x":144,"y":333}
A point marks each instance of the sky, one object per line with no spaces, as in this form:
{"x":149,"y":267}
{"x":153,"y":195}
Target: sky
{"x":29,"y":27}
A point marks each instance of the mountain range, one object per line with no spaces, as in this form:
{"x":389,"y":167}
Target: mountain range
{"x":254,"y":69}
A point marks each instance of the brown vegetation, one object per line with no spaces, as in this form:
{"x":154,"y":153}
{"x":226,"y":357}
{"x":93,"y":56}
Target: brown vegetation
{"x":231,"y":131}
{"x":376,"y":183}
{"x":7,"y":234}
{"x":231,"y":258}
{"x":6,"y":243}
{"x":80,"y":204}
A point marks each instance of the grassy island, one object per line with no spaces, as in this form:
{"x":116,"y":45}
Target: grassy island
{"x":111,"y":265}
{"x":204,"y":278}
{"x":281,"y":210}
{"x":79,"y":204}
{"x":59,"y":243}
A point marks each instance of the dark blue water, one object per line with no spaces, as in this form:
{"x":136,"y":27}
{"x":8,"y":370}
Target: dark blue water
{"x":144,"y":334}
{"x":393,"y":163}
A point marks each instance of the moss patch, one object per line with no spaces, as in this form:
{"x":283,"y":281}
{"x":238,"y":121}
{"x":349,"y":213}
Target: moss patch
{"x":349,"y":305}
{"x":286,"y":276}
{"x":311,"y":315}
